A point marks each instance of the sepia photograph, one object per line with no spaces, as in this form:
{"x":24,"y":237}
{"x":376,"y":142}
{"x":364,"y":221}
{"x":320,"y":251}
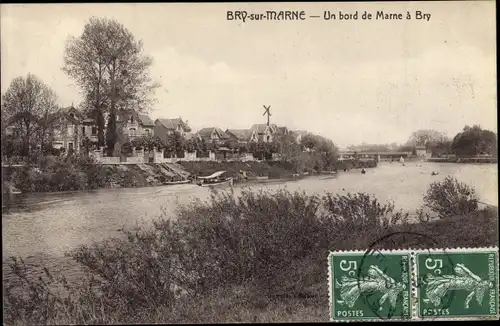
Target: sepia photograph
{"x":249,"y":162}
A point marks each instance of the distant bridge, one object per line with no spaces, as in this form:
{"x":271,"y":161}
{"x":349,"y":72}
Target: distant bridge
{"x":380,"y":155}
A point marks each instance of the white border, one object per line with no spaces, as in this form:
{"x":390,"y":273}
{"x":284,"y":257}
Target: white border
{"x":462,"y":250}
{"x":331,"y":307}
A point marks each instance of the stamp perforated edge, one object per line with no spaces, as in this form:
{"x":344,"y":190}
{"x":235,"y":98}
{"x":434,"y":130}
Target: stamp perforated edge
{"x":363,"y":252}
{"x":414,"y":282}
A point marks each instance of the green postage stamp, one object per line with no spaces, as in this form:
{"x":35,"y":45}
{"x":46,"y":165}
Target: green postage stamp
{"x":457,"y":283}
{"x":412,"y":285}
{"x":370,"y":285}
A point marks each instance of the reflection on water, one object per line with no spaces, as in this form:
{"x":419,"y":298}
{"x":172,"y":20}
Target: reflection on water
{"x":50,"y":224}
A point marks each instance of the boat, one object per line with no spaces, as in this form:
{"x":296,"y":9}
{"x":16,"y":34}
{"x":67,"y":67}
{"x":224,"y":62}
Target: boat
{"x":402,"y":160}
{"x":434,"y":173}
{"x":177,"y":182}
{"x":363,"y":171}
{"x":215,"y":179}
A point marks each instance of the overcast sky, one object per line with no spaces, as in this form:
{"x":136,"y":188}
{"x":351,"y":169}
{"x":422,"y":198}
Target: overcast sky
{"x":352,"y":81}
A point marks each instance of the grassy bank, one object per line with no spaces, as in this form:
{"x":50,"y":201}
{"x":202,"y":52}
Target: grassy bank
{"x":254,"y":257}
{"x":52,"y":174}
{"x":82,"y":173}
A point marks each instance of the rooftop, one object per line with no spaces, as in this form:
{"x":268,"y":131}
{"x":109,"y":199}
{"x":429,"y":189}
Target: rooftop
{"x":173,"y":123}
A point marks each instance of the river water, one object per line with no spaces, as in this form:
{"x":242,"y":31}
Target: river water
{"x":44,"y":226}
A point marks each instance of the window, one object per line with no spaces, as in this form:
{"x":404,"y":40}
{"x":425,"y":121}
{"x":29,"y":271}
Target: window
{"x":131,"y":132}
{"x":70,"y":146}
{"x":148,"y":132}
{"x":83,"y":130}
{"x":94,"y":130}
{"x":132,"y":119}
{"x":70,"y":130}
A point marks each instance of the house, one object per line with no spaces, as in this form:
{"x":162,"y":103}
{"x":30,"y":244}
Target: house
{"x":165,"y":127}
{"x":242,"y":136}
{"x":282,"y":131}
{"x":69,"y":131}
{"x":264,"y":133}
{"x":212,"y":134}
{"x":137,"y":125}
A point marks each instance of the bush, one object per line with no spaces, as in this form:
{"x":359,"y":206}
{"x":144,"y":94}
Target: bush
{"x":127,"y":149}
{"x":451,"y":197}
{"x":50,"y":173}
{"x":228,"y":254}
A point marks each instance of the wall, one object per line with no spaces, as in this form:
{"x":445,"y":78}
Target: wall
{"x":109,"y":160}
{"x":160,"y":131}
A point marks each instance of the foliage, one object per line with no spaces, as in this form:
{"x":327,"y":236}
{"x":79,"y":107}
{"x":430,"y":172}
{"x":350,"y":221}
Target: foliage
{"x":109,"y":66}
{"x":29,"y":104}
{"x":287,"y":147}
{"x":423,"y":137}
{"x":451,"y":197}
{"x":174,"y":143}
{"x":75,"y":172}
{"x":127,"y":148}
{"x":473,"y":141}
{"x":440,"y":148}
{"x":147,"y":142}
{"x":361,"y":214}
{"x":322,"y":153}
{"x":257,"y":251}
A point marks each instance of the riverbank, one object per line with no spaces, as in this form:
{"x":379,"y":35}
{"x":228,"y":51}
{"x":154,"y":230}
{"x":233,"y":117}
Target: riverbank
{"x":77,"y":175}
{"x":256,"y":257}
{"x":474,"y":160}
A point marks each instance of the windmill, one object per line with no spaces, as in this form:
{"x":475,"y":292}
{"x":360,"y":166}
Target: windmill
{"x":266,"y":111}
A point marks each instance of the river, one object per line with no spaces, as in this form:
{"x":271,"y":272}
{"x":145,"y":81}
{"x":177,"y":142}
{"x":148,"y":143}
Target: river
{"x":44,"y":226}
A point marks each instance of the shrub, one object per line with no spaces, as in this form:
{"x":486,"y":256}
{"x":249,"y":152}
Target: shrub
{"x":127,"y":149}
{"x":76,"y":172}
{"x":451,"y":197}
{"x":224,"y":255}
{"x":357,"y":220}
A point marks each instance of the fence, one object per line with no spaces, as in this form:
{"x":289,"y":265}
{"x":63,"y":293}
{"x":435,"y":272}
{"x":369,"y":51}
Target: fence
{"x":156,"y":156}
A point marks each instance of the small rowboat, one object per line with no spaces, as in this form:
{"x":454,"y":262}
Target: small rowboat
{"x":215,"y":179}
{"x":177,"y":182}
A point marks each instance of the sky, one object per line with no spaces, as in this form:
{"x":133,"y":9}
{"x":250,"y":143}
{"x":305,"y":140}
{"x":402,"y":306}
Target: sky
{"x":354,"y":81}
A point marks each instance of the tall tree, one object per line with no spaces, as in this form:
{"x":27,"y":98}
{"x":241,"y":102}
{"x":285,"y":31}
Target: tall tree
{"x":473,"y":141}
{"x":287,"y":147}
{"x":27,"y":104}
{"x":108,"y":64}
{"x":423,"y":137}
{"x":175,"y":143}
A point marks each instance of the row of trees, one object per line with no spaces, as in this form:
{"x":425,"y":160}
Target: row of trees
{"x":112,"y":72}
{"x":322,"y":149}
{"x":471,"y":141}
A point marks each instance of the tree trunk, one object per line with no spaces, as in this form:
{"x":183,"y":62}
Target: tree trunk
{"x":100,"y":128}
{"x":111,"y":133}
